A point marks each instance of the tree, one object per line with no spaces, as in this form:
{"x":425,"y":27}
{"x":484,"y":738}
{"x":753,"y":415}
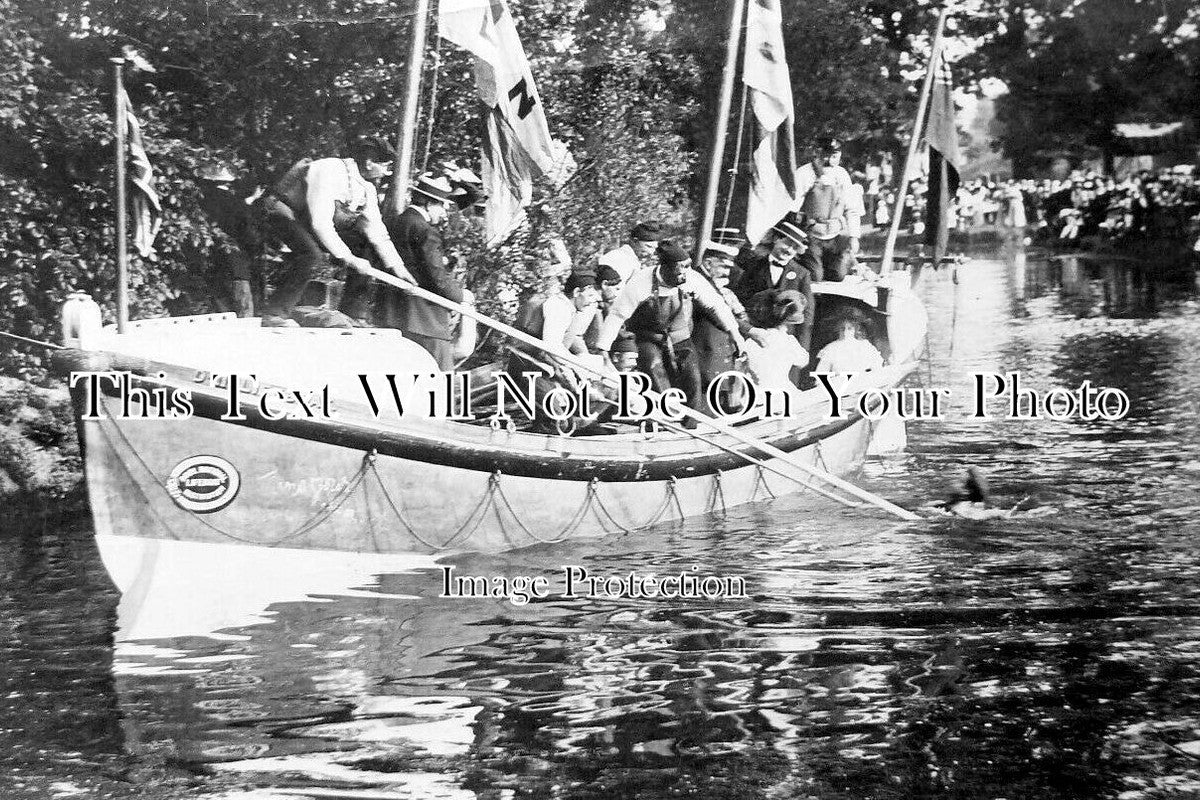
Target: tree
{"x":629,"y":85}
{"x":1074,"y":70}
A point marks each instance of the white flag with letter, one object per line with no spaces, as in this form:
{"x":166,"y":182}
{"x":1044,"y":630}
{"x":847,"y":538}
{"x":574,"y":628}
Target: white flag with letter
{"x":773,"y":158}
{"x":517,"y":146}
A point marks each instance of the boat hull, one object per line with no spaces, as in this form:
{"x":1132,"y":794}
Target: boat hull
{"x":207,"y":480}
{"x":358,"y":481}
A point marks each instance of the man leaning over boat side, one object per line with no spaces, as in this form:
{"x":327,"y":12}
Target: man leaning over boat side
{"x":637,"y":253}
{"x":831,"y":210}
{"x":415,"y":232}
{"x":327,"y":206}
{"x":658,"y":307}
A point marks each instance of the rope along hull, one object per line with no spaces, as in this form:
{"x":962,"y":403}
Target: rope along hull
{"x":206,"y":480}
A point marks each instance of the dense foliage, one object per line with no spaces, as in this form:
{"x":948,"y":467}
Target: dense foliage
{"x":1075,"y":69}
{"x":629,"y":85}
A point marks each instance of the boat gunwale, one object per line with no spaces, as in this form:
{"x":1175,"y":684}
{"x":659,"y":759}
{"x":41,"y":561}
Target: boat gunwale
{"x":416,"y":444}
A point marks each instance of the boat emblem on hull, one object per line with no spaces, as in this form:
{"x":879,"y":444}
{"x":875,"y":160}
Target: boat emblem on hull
{"x":203,"y":484}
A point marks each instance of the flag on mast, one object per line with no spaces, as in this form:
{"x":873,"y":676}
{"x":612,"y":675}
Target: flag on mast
{"x":517,"y":146}
{"x":147,"y":210}
{"x":941,"y":135}
{"x":773,"y":158}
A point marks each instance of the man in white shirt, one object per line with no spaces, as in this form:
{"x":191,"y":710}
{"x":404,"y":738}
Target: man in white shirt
{"x":831,"y":209}
{"x":313,"y":209}
{"x":637,"y":252}
{"x":558,"y":316}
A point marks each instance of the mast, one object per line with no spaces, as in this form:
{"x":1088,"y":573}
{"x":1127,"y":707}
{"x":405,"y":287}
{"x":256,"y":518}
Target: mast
{"x":405,"y":142}
{"x":719,"y":134}
{"x":119,"y":152}
{"x":889,"y":246}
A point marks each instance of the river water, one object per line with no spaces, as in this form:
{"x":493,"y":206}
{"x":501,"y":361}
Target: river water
{"x":1052,"y":654}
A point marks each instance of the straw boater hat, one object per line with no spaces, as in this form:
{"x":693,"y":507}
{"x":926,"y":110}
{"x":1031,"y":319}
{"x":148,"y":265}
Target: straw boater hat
{"x":730,"y":236}
{"x":790,"y":230}
{"x":433,"y":188}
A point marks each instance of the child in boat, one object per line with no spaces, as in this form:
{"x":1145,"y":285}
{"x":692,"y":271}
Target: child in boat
{"x":850,"y":353}
{"x":772,"y":355}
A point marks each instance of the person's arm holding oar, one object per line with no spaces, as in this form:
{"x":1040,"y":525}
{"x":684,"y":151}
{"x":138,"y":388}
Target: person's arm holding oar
{"x":777,"y":456}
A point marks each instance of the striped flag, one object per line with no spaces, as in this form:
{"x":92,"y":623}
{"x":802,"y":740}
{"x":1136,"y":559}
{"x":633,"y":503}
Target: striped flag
{"x":773,"y":158}
{"x":941,"y":135}
{"x":147,"y":210}
{"x":517,"y":146}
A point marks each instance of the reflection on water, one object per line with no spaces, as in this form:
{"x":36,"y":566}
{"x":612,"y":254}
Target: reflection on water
{"x":1046,"y":657}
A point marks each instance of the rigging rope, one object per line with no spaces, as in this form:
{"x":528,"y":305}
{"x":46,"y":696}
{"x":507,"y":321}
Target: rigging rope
{"x":737,"y":157}
{"x":431,"y":104}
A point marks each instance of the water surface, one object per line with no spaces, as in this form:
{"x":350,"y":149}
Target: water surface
{"x":1038,"y":656}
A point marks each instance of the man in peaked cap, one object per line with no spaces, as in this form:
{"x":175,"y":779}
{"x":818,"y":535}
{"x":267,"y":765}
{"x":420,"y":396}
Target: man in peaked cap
{"x":716,"y":348}
{"x":415,"y":232}
{"x":638,"y":250}
{"x":657,"y":306}
{"x":326,"y":206}
{"x":831,"y":210}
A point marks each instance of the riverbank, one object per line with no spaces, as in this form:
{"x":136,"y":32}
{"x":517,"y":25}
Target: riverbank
{"x":41,"y":470}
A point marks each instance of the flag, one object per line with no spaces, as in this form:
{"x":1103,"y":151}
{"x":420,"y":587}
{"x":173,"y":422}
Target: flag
{"x":773,"y":157}
{"x":147,"y":211}
{"x":517,"y":146}
{"x":942,"y":137}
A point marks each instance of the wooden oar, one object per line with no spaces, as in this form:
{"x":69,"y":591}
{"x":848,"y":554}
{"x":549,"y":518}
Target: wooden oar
{"x":717,"y":425}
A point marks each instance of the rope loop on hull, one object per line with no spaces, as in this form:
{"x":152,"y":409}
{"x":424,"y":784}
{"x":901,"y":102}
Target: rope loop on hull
{"x":494,"y":500}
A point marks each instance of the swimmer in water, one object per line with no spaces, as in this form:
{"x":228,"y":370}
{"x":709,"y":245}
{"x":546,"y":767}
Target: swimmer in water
{"x":971,"y":499}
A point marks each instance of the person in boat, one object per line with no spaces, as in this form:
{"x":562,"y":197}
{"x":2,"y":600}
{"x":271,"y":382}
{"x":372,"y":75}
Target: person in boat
{"x":658,"y":307}
{"x":780,"y":267}
{"x":609,"y":285}
{"x":556,"y":314}
{"x":637,"y":252}
{"x":849,"y":354}
{"x":415,"y":232}
{"x":716,"y":348}
{"x":328,"y":206}
{"x":466,"y":190}
{"x":774,"y":353}
{"x":236,"y":255}
{"x":831,"y":210}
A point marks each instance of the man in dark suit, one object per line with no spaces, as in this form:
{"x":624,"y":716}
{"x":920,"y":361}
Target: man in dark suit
{"x":783,"y":266}
{"x":235,"y":256}
{"x":416,"y":237}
